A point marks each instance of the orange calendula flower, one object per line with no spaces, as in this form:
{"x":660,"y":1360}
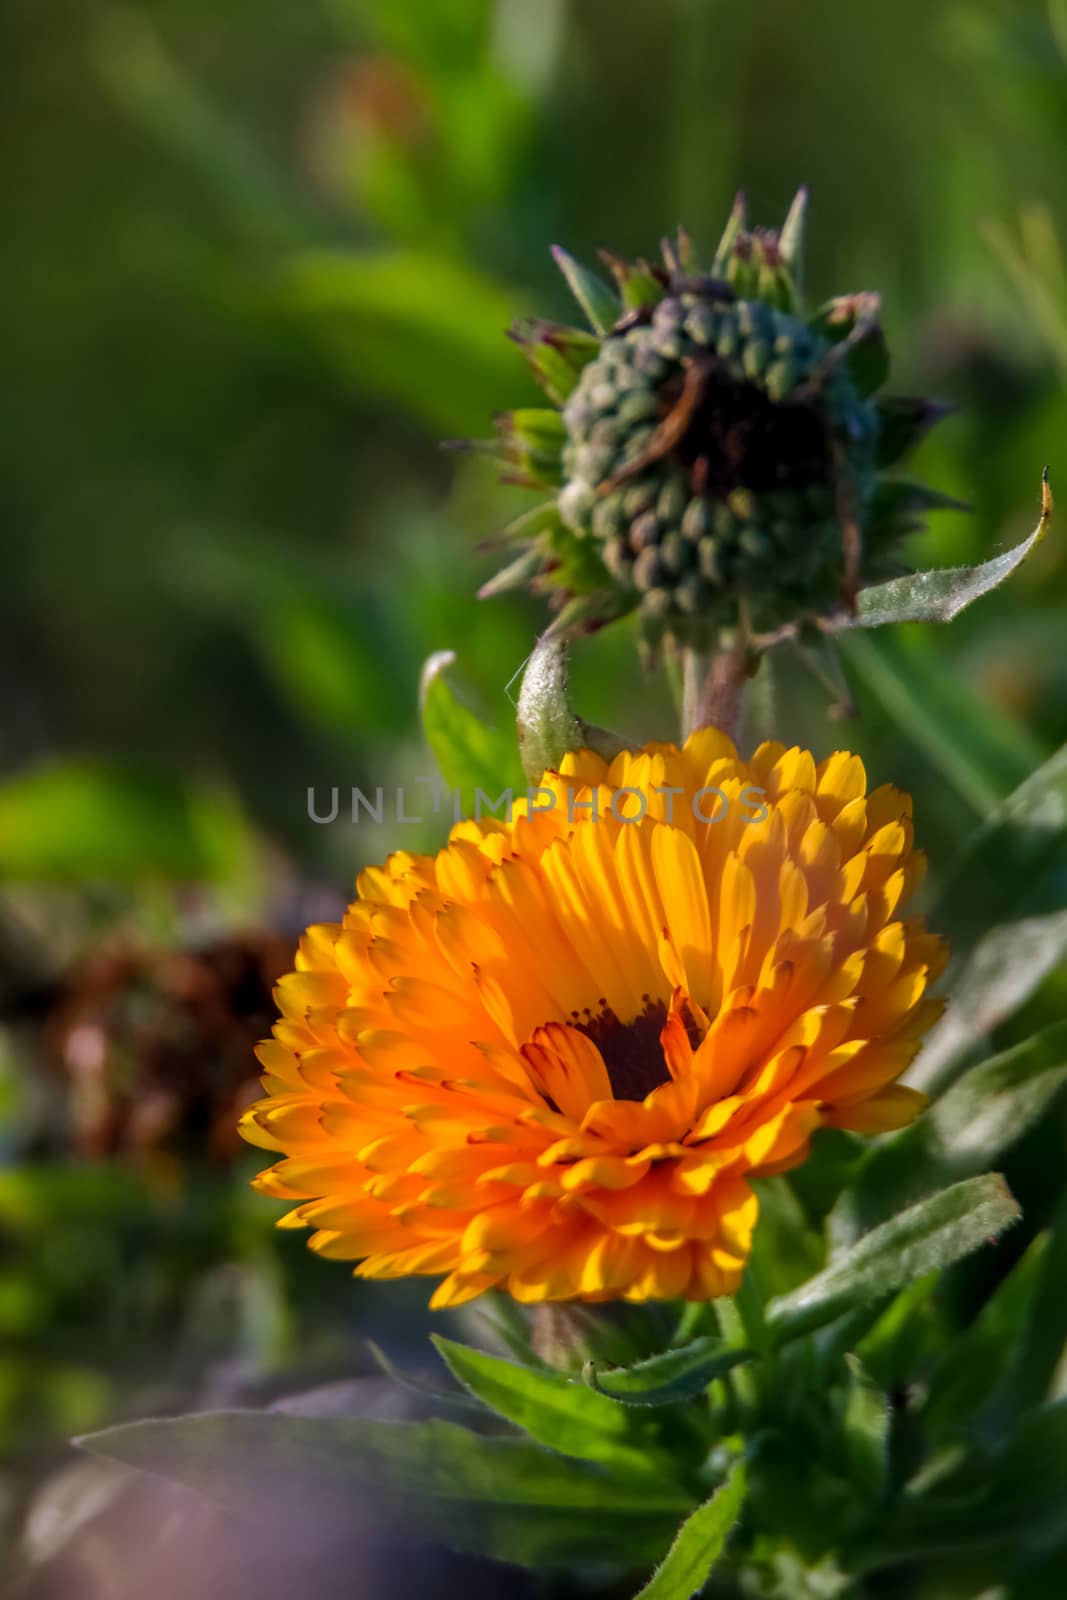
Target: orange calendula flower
{"x":551,"y":1058}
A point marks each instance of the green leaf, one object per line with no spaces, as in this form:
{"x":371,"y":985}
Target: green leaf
{"x":419,"y":330}
{"x":1038,"y":1354}
{"x":321,"y":630}
{"x":417,"y":1386}
{"x":1030,"y":1474}
{"x":698,"y":1544}
{"x":1003,"y":971}
{"x":600,"y":304}
{"x":997,"y":1100}
{"x":473,"y":756}
{"x":91,"y":820}
{"x":508,"y":1499}
{"x":962,"y":1133}
{"x":940,"y":596}
{"x":981,"y":1352}
{"x":925,"y":1238}
{"x":561,"y":1412}
{"x":548,"y":726}
{"x":671,"y":1377}
{"x":1016,"y":860}
{"x":982,"y":752}
{"x":865,"y":1428}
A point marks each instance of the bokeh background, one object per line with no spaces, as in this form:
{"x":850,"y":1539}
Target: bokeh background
{"x":258,"y":264}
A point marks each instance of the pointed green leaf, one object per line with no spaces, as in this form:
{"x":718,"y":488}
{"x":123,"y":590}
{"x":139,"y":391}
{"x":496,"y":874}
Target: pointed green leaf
{"x":1029,"y":1476}
{"x":981,"y":1352}
{"x":600,"y":304}
{"x":941,"y":595}
{"x":984,"y":753}
{"x":509,"y":1499}
{"x":558,"y":1411}
{"x":928,"y":1236}
{"x":473,"y":756}
{"x":1017,"y":859}
{"x":1003,"y":971}
{"x":668,"y":1378}
{"x":997,"y":1101}
{"x":1037,"y":1363}
{"x":962,"y":1133}
{"x":698,"y":1544}
{"x":548,"y":726}
{"x":865,"y":1427}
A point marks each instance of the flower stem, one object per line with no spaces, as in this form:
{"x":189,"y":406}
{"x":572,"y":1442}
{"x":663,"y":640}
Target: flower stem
{"x":714,"y":688}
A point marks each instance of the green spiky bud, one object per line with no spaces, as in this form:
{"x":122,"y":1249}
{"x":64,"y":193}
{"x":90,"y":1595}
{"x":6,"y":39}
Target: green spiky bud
{"x":714,"y":453}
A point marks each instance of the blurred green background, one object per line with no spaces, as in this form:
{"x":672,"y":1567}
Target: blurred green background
{"x":258,"y":264}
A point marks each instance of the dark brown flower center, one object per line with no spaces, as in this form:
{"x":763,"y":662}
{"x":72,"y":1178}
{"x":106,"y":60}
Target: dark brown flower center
{"x":737,"y":437}
{"x":632,"y":1051}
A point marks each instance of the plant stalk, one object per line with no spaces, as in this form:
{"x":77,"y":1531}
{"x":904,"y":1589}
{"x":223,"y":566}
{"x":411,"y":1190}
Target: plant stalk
{"x":714,"y":690}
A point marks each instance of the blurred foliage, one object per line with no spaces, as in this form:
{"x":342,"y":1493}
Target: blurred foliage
{"x":260,"y":264}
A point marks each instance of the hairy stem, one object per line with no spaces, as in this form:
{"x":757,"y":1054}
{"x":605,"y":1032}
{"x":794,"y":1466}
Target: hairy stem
{"x":714,"y":689}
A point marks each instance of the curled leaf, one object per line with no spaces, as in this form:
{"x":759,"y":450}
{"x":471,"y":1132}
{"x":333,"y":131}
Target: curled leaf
{"x":940,"y":596}
{"x":670,"y":1377}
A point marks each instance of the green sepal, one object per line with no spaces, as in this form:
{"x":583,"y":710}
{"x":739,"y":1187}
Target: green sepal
{"x":735,"y":224}
{"x":854,"y":317}
{"x":518,"y":574}
{"x":532,"y":440}
{"x":791,"y":240}
{"x":600,"y":304}
{"x":556,"y":355}
{"x":682,"y":249}
{"x":670,"y":1378}
{"x":903,"y":423}
{"x":639,"y":283}
{"x":521,"y":530}
{"x":585,"y":613}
